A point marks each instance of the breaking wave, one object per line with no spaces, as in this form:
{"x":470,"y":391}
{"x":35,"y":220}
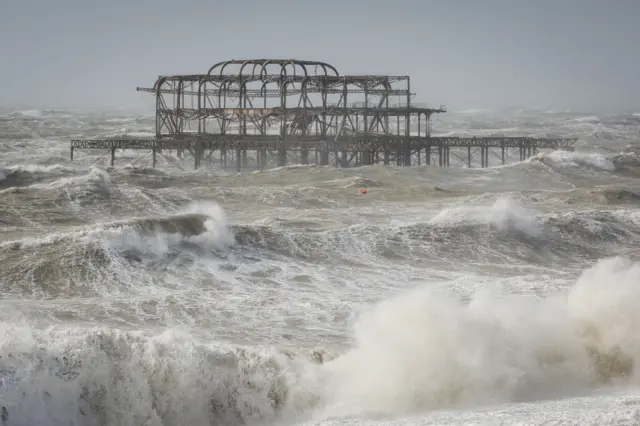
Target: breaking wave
{"x":625,"y":163}
{"x":423,"y":350}
{"x":498,"y":232}
{"x":57,"y":263}
{"x":24,"y":175}
{"x":502,"y":232}
{"x":109,"y":377}
{"x":419,"y":351}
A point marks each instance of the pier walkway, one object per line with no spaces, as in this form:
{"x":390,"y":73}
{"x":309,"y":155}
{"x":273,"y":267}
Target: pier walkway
{"x":346,"y":151}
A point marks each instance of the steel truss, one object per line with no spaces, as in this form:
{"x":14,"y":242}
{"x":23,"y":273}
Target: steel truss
{"x":275,"y":106}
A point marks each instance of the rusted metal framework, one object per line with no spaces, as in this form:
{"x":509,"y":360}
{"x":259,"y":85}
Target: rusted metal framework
{"x":284,"y":108}
{"x":278,"y":106}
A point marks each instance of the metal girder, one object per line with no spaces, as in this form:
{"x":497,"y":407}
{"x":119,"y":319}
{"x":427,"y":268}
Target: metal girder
{"x":234,"y":113}
{"x":499,"y":142}
{"x":270,"y":92}
{"x":349,"y":143}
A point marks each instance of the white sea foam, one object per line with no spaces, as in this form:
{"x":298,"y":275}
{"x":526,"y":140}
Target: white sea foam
{"x":505,"y":213}
{"x":420,"y":351}
{"x":424,"y":350}
{"x":577,"y":159}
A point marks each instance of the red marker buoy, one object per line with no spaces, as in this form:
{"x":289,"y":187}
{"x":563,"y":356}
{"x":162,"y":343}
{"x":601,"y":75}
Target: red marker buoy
{"x":363,"y":191}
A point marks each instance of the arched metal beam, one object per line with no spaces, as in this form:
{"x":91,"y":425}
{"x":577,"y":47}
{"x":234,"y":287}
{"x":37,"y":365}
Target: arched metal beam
{"x":283,"y":62}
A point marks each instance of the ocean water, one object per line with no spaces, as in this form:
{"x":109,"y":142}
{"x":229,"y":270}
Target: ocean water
{"x":444,"y":296}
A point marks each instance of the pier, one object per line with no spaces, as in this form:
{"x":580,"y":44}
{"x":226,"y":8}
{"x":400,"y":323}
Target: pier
{"x":254,"y":114}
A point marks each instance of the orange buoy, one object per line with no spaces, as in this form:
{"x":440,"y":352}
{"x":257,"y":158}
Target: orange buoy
{"x":363,"y":191}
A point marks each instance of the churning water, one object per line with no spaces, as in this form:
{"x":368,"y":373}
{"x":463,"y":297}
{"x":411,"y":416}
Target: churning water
{"x":133,"y":296}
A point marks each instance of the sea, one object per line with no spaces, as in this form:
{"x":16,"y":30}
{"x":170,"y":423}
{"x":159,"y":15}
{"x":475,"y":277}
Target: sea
{"x":508,"y":295}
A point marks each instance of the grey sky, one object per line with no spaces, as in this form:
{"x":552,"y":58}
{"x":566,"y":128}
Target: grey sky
{"x":552,"y":54}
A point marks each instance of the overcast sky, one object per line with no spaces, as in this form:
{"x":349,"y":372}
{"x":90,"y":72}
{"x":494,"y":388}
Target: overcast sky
{"x":579,"y":55}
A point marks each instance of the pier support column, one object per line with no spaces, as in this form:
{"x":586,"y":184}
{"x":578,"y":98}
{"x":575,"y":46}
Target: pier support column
{"x":238,"y":160}
{"x":71,"y":153}
{"x":387,"y":154}
{"x":282,"y":155}
{"x":406,"y":152}
{"x":468,"y":157}
{"x":324,"y":156}
{"x":344,"y":159}
{"x":503,"y":155}
{"x":154,"y":158}
{"x":113,"y":156}
{"x":263,"y":158}
{"x":245,"y":160}
{"x":428,"y":154}
{"x":304,"y":157}
{"x":367,"y":158}
{"x":197,"y":154}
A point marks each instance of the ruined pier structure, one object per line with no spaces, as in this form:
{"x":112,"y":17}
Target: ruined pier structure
{"x":294,"y":112}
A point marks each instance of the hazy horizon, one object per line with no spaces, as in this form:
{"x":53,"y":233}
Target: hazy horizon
{"x":565,"y":56}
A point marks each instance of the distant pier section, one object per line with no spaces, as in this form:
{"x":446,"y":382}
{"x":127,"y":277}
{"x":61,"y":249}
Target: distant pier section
{"x":254,"y":114}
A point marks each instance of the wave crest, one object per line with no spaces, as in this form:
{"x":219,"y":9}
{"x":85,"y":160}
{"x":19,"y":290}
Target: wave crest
{"x":111,"y":377}
{"x":28,"y":174}
{"x":65,"y":263}
{"x":423,"y":350}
